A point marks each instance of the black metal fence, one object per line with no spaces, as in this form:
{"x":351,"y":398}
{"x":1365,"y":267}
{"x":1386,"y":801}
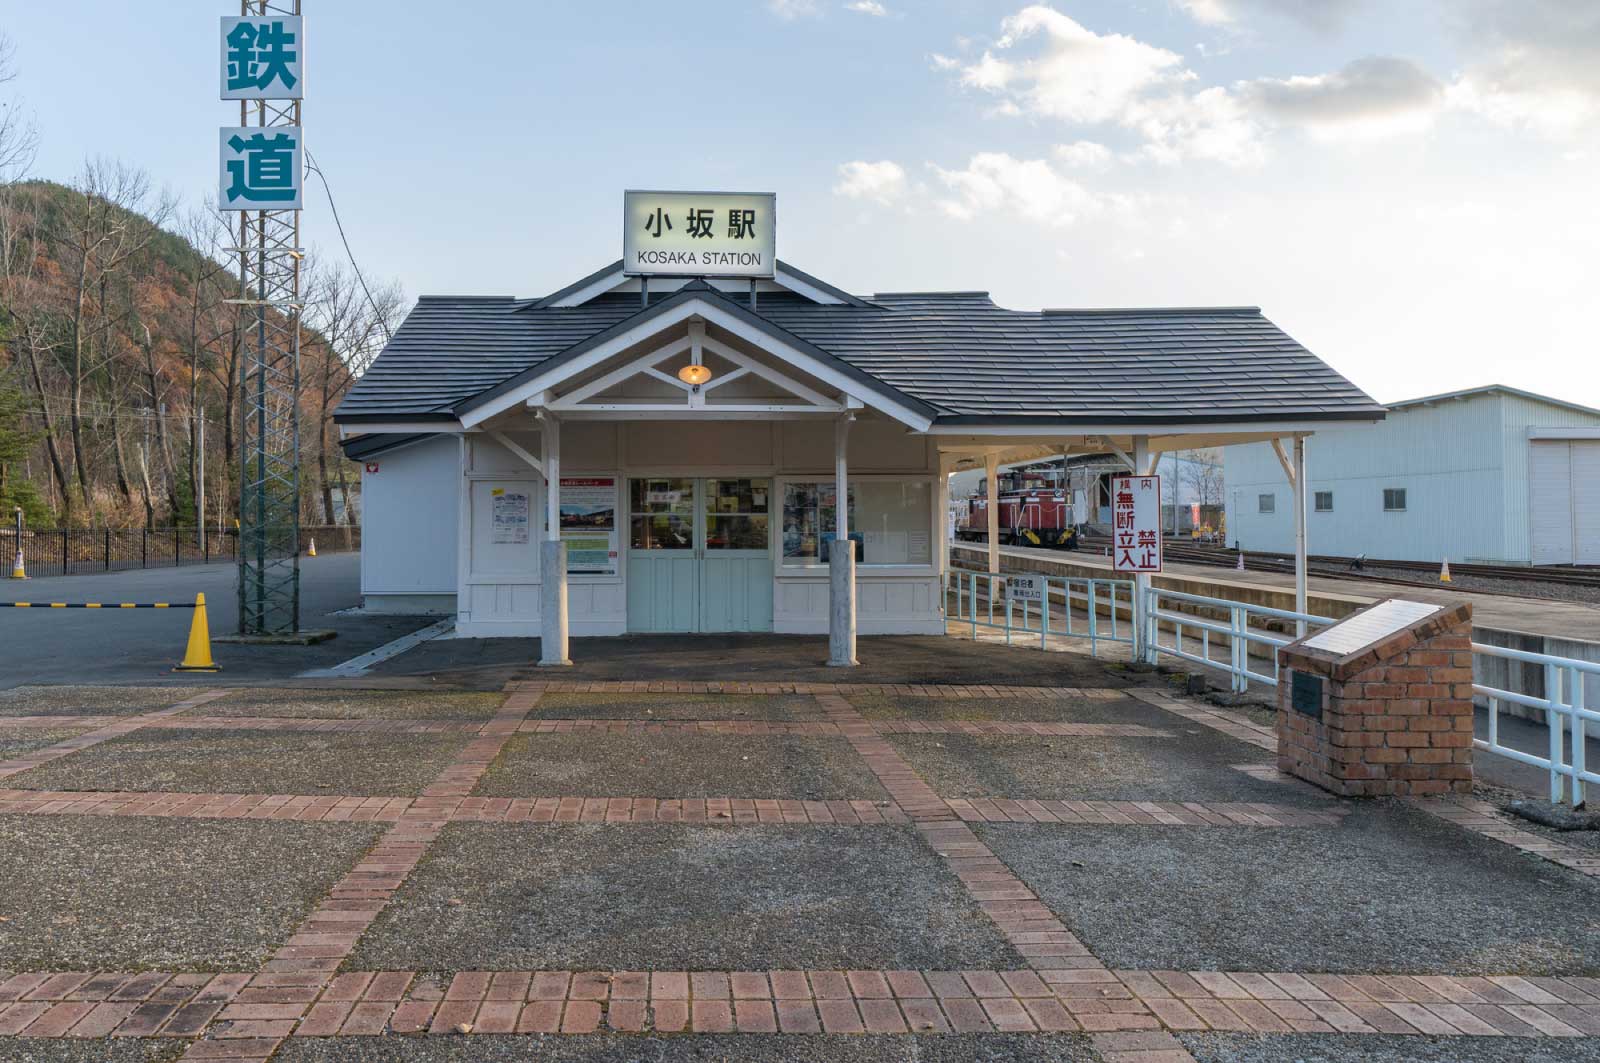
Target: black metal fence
{"x":79,"y":551}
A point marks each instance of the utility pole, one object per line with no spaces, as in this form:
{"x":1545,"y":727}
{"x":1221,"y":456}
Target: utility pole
{"x":200,"y":482}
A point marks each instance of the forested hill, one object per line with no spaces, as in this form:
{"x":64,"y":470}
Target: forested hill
{"x":117,"y":339}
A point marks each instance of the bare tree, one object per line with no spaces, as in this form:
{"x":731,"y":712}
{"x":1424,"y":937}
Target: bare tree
{"x":353,"y":323}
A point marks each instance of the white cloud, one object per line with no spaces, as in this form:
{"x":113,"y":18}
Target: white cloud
{"x":1083,"y":155}
{"x":1079,"y":75}
{"x":882,"y":182}
{"x":868,"y":7}
{"x":1532,"y":63}
{"x":793,"y":9}
{"x":995,"y":182}
{"x":1318,"y":14}
{"x":1373,"y":96}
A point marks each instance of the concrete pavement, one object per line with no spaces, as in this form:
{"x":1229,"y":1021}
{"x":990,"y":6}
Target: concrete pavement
{"x":141,"y":645}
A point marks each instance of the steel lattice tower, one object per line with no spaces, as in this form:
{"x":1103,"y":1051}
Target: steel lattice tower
{"x":269,"y":483}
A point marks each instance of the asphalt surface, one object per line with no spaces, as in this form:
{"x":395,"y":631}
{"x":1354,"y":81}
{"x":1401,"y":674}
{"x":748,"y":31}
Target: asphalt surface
{"x":635,"y":897}
{"x":136,"y":893}
{"x":772,"y":708}
{"x":1192,"y":764}
{"x":486,"y":664}
{"x":101,"y":1050}
{"x":252,"y":762}
{"x":1009,"y":710}
{"x":1391,"y":891}
{"x":681,"y":764}
{"x":1334,"y":1048}
{"x":750,"y":1048}
{"x":142,"y":645}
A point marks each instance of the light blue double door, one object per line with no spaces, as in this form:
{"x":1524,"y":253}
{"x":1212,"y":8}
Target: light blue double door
{"x":699,"y":554}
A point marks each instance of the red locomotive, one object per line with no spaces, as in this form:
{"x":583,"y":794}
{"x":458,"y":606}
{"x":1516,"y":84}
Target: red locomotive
{"x":1028,"y":517}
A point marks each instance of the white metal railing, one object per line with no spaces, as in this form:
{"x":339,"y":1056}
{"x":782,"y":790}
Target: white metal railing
{"x":979,"y":600}
{"x":1565,"y":712}
{"x":1237,"y":633}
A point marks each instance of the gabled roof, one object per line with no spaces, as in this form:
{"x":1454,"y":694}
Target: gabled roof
{"x":1494,"y":389}
{"x":968,"y":361}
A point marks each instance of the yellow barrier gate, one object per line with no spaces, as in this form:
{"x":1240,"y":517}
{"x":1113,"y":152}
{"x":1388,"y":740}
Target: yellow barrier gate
{"x":197,"y":655}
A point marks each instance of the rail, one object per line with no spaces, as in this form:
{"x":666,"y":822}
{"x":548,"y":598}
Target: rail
{"x":981,"y":600}
{"x":1565,"y":713}
{"x":1238,"y":633}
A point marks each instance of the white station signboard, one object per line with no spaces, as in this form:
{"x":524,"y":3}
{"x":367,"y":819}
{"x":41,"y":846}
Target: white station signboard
{"x":263,"y":57}
{"x":1136,"y":523}
{"x":699,"y":234}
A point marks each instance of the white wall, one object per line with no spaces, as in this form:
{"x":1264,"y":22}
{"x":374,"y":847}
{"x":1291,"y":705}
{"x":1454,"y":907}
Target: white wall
{"x":409,"y":517}
{"x":500,"y":583}
{"x":1462,"y":462}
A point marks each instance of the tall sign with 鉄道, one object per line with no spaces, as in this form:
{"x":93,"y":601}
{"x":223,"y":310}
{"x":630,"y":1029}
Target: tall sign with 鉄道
{"x":261,"y":177}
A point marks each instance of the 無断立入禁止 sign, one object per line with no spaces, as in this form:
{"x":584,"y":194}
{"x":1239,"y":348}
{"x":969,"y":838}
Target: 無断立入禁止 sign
{"x":699,"y":234}
{"x":1136,"y":523}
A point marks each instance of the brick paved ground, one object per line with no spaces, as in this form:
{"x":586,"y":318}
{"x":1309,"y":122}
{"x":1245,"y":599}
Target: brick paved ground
{"x":782,"y":870}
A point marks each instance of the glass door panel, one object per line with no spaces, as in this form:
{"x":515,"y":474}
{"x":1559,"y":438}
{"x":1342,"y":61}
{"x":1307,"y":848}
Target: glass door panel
{"x":661,"y":514}
{"x":738,"y":515}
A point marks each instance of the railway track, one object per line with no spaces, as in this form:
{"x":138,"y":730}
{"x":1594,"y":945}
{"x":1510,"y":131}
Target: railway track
{"x":1370,"y":570}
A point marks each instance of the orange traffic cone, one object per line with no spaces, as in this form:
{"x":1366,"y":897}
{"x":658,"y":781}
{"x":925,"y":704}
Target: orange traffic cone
{"x":197,"y":658}
{"x":1444,"y":571}
{"x":312,"y":551}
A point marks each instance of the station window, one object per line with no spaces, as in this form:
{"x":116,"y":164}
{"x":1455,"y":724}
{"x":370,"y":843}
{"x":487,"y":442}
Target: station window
{"x":1266,"y":503}
{"x":1324,"y":501}
{"x":1394,"y":499}
{"x":893,"y":517}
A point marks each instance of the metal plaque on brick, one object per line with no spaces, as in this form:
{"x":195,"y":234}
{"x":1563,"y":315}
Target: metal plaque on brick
{"x":1305,"y":694}
{"x":1369,"y":626}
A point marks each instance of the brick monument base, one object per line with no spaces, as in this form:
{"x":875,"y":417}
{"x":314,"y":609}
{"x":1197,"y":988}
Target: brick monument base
{"x":1387,"y":717}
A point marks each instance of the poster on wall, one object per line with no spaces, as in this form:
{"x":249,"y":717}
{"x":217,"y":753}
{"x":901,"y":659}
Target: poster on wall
{"x":509,"y":522}
{"x":589,"y":524}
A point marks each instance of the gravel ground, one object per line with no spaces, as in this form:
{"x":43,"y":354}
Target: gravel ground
{"x":1009,"y":710}
{"x":680,"y":897}
{"x":1197,"y":765}
{"x":89,"y":701}
{"x":246,"y":762}
{"x":680,"y":765}
{"x":1529,"y":587}
{"x":19,"y":741}
{"x":1334,"y":1048}
{"x":779,"y":708}
{"x":72,"y":1050}
{"x":1578,"y":839}
{"x":621,"y":1048}
{"x":162,"y":894}
{"x":355,"y":705}
{"x":1393,"y":890}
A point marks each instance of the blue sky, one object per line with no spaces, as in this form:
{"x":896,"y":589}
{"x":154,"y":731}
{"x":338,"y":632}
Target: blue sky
{"x":1407,"y":188}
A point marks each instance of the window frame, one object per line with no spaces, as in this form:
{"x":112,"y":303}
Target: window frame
{"x":784,"y":568}
{"x":1316,"y":501}
{"x":1401,"y":492}
{"x":1267,"y":504}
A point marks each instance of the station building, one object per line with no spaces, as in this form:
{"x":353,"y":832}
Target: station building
{"x":642,"y":454}
{"x":1490,"y":474}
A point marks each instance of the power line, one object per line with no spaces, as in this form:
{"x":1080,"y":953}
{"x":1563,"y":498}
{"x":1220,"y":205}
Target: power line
{"x":311,"y":164}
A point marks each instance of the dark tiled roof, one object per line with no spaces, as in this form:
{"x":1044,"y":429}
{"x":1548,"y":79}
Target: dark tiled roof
{"x":968,"y":359}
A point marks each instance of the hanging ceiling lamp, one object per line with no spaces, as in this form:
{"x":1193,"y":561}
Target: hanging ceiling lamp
{"x":694,"y":374}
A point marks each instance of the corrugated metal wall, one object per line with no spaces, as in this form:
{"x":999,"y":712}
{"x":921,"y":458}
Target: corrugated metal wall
{"x":1463,"y":464}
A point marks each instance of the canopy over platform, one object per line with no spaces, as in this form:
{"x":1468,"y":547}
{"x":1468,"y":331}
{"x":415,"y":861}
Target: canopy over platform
{"x":972,"y":383}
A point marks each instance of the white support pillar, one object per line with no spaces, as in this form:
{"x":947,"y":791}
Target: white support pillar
{"x":1300,"y":534}
{"x":841,"y":558}
{"x":992,"y":509}
{"x":552,"y":553}
{"x":1141,"y":581}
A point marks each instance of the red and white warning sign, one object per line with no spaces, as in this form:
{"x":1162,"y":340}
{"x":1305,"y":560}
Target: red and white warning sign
{"x":1136,"y":523}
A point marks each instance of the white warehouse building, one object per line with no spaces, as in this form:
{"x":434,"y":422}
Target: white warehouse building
{"x":1490,"y":474}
